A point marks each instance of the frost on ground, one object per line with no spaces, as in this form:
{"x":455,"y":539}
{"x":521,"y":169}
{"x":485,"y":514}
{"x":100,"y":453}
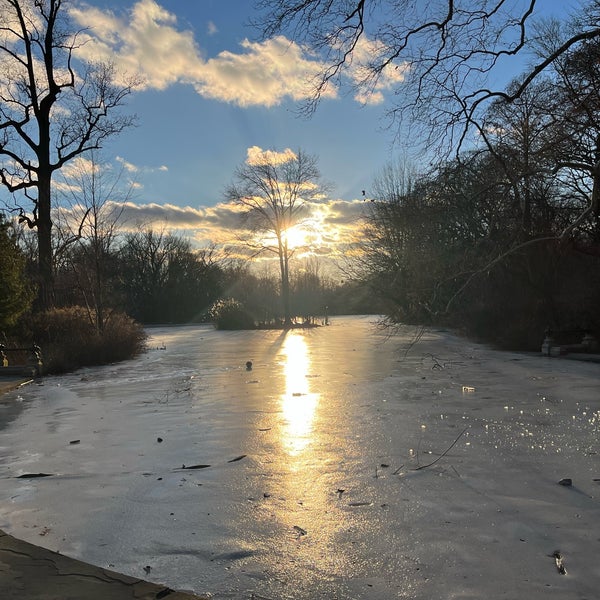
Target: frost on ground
{"x":339,"y":466}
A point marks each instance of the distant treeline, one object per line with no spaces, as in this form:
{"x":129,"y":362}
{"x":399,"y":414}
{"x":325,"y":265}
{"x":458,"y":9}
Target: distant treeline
{"x":156,"y":277}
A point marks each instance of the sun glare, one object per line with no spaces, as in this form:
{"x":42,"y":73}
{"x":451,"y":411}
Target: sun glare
{"x":307,"y":234}
{"x":297,"y":237}
{"x":298,"y":403}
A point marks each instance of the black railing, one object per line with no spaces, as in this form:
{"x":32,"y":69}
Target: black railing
{"x":565,"y":342}
{"x":21,"y":361}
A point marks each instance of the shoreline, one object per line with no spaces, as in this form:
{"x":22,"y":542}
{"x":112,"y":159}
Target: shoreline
{"x":36,"y":573}
{"x":8,"y":384}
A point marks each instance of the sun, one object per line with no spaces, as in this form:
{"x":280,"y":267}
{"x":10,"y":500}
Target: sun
{"x":297,"y":237}
{"x":307,"y":234}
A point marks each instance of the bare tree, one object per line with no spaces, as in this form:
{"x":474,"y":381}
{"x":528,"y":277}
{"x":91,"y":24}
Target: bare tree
{"x":310,"y":287}
{"x":577,"y":104}
{"x":446,"y":62}
{"x":49,"y":112}
{"x":89,"y":222}
{"x":550,"y":135}
{"x":273,"y":189}
{"x":523,"y":138}
{"x":438,"y":56}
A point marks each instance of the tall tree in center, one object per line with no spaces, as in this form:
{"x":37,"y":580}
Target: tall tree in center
{"x":273,"y":189}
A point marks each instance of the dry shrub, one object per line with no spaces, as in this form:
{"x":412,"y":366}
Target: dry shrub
{"x":69,"y":339}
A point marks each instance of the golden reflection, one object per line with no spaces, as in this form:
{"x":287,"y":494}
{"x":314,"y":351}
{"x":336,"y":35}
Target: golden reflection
{"x":298,"y":403}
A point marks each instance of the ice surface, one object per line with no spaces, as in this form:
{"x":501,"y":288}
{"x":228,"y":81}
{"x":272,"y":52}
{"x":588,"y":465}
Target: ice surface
{"x":326,"y":499}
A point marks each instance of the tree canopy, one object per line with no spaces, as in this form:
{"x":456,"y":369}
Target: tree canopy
{"x":440,"y":59}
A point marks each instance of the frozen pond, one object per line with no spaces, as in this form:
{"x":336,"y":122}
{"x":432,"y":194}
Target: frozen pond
{"x":306,"y":481}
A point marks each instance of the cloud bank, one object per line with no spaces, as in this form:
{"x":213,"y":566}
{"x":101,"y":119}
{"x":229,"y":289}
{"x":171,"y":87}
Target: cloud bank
{"x":330,"y":227}
{"x":146,"y":42}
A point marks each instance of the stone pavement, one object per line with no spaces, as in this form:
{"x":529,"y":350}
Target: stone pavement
{"x":29,"y":572}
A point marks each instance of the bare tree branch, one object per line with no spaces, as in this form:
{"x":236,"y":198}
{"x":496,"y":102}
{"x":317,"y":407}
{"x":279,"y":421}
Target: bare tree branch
{"x":447,"y":51}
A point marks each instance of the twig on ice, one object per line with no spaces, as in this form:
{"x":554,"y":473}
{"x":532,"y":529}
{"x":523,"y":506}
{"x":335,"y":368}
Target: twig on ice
{"x":444,"y":453}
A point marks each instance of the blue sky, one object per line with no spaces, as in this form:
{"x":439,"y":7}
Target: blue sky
{"x":202,"y":139}
{"x":210,"y":94}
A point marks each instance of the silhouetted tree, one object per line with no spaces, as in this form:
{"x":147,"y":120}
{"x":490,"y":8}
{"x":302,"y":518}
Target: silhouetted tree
{"x":310,"y":287}
{"x":165,"y":280}
{"x":51,"y":111}
{"x":88,"y":225}
{"x":272,"y":189}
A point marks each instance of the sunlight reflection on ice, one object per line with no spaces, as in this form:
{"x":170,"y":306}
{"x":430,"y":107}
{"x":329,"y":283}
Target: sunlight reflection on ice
{"x":298,"y":403}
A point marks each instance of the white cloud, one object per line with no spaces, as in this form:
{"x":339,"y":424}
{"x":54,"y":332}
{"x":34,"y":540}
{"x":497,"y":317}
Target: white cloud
{"x":147,"y":43}
{"x":359,"y":73}
{"x":211,"y":28}
{"x":65,"y":187}
{"x":257,"y":156}
{"x":130,"y":167}
{"x":265,"y":74}
{"x":78,"y":166}
{"x":332,"y":226}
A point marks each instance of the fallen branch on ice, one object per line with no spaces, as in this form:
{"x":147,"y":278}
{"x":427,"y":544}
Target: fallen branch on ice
{"x":443,"y":453}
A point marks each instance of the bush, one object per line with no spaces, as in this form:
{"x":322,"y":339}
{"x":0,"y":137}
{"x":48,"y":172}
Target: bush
{"x":543,"y":286}
{"x":69,"y":339}
{"x":16,"y":293}
{"x":231,"y":314}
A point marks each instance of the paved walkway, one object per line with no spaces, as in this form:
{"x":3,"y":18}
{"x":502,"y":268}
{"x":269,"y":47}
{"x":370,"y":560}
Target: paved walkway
{"x":28,"y":572}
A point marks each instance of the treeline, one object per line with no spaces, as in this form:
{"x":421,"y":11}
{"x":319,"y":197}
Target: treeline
{"x":437,"y":256}
{"x":502,"y":242}
{"x":106,"y":290}
{"x":159,"y":278}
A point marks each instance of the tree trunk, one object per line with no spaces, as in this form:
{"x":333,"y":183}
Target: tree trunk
{"x":46,"y":297}
{"x":285,"y":283}
{"x":285,"y":293}
{"x":46,"y":290}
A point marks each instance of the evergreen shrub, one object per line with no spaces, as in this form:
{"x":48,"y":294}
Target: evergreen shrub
{"x":231,"y":314}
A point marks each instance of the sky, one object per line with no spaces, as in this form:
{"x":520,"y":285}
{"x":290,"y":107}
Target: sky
{"x":212,"y":95}
{"x":210,"y":98}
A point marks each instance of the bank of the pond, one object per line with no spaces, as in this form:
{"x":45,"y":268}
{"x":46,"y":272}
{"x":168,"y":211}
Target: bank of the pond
{"x":28,"y":572}
{"x":33,"y":573}
{"x":8,"y":384}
